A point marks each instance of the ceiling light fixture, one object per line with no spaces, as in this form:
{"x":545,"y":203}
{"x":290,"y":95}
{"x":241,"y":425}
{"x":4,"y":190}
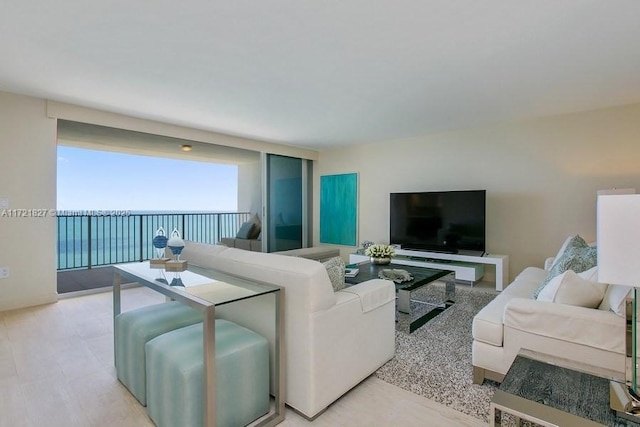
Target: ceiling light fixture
{"x":186,"y":147}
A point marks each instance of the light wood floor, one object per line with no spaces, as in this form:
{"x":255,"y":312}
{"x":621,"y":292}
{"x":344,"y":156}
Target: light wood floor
{"x":56,"y":369}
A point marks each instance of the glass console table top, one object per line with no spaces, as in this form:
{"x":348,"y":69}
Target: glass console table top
{"x":209,"y":285}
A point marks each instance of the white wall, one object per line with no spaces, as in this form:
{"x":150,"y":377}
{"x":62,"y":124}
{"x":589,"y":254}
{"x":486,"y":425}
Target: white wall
{"x":249,"y":188}
{"x":541,"y":176}
{"x":28,"y":180}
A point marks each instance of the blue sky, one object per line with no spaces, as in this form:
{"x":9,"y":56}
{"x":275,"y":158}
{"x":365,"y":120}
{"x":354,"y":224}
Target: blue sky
{"x":102,"y":180}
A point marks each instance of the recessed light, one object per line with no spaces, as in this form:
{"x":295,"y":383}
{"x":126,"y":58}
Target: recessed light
{"x":186,"y":147}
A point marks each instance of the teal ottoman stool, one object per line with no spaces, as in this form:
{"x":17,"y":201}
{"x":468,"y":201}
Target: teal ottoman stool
{"x":132,"y":331}
{"x":175,"y":376}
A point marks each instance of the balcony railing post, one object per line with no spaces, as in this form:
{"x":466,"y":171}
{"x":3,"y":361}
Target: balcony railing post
{"x":89,"y":246}
{"x":140,"y":258}
{"x":184,"y":230}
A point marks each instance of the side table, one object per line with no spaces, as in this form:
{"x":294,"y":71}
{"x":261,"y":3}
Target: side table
{"x":552,"y":395}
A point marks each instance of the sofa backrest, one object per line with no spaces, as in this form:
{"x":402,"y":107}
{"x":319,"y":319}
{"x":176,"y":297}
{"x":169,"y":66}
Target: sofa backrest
{"x":200,"y":254}
{"x":307,"y":284}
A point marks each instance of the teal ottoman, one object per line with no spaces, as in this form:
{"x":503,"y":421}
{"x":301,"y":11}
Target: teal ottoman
{"x":175,"y":376}
{"x":132,"y":331}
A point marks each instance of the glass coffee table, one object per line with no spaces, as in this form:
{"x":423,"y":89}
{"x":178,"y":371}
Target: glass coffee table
{"x":206,"y":289}
{"x":417,"y":311}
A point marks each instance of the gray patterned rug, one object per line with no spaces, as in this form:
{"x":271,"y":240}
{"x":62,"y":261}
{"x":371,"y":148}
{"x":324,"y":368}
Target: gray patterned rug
{"x":435,"y":360}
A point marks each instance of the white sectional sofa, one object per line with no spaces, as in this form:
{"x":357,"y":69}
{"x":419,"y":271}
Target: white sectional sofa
{"x":514,"y":320}
{"x":333,"y":340}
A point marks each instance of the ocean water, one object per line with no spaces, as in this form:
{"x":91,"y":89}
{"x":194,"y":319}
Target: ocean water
{"x":103,"y":239}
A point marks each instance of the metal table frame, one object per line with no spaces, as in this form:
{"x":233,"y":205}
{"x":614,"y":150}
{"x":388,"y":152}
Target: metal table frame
{"x":276,"y":415}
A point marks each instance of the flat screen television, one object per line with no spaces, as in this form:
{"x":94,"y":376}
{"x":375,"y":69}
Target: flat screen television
{"x":439,"y":221}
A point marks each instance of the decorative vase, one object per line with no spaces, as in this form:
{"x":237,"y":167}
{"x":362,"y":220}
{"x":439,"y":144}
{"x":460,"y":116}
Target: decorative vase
{"x":176,"y":244}
{"x":160,"y":242}
{"x":381,"y":261}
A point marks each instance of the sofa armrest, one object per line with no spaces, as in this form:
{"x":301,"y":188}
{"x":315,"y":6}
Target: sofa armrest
{"x":373,"y":293}
{"x":588,"y":326}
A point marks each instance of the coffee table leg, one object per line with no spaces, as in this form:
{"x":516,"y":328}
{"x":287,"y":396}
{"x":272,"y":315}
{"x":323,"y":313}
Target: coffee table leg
{"x":404,"y":301}
{"x":450,"y":289}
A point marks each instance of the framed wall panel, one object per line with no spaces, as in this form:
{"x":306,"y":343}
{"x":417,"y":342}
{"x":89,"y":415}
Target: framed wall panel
{"x":339,"y":209}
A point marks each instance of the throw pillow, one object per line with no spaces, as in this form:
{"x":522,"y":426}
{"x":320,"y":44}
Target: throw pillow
{"x":590,"y":275}
{"x":578,"y":259}
{"x":569,"y":288}
{"x":614,"y":299}
{"x":257,"y":227}
{"x":245,"y":230}
{"x":571,"y":242}
{"x":335,"y":269}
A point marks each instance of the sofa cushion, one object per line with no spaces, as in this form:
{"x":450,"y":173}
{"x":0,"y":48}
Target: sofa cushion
{"x":245,"y":231}
{"x":578,"y":259}
{"x":614,"y":299}
{"x":573,"y":324}
{"x":570,"y":288}
{"x":335,"y":270}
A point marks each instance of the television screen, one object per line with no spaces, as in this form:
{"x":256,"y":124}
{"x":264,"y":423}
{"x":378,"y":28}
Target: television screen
{"x":439,"y":221}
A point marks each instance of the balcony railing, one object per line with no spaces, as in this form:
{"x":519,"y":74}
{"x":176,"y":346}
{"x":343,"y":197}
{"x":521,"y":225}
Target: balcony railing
{"x":86,"y":241}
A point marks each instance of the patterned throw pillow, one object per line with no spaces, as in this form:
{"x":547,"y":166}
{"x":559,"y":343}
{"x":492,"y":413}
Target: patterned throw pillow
{"x":571,"y":242}
{"x":576,"y":259}
{"x":335,"y":270}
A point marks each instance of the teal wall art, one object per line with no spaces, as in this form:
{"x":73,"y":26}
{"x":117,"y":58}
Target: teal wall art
{"x":339,"y":209}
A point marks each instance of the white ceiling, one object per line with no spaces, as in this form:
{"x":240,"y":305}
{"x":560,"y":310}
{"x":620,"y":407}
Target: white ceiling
{"x":324,"y":73}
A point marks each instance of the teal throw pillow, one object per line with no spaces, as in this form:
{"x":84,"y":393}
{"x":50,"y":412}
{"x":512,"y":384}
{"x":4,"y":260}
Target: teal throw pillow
{"x":245,"y":230}
{"x":577,"y":259}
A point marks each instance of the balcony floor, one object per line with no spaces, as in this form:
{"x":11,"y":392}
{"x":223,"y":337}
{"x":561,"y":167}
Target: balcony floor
{"x":84,"y":279}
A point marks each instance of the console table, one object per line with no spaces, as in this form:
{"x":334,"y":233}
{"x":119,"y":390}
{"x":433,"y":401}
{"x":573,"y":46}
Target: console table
{"x":205,"y":290}
{"x":466,"y":267}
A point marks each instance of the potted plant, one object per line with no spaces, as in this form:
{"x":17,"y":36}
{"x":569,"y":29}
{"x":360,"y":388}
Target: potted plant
{"x":380,"y":253}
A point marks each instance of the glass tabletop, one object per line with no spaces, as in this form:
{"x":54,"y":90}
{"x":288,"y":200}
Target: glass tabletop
{"x":421,"y":275}
{"x":578,"y":393}
{"x":206,"y":284}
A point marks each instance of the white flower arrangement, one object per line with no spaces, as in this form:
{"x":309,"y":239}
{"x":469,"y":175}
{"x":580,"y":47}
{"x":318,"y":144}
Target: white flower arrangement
{"x":380,"y":251}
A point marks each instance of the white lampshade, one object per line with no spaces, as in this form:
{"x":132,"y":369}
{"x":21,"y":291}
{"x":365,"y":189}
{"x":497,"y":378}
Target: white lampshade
{"x":618,"y":239}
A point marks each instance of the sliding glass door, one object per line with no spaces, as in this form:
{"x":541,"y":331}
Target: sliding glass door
{"x":286,"y":210}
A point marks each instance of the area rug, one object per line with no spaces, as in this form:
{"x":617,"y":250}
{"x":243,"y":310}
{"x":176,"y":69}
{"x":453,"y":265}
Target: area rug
{"x":435,"y":360}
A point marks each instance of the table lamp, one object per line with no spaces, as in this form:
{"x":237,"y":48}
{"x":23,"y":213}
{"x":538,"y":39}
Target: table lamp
{"x":618,"y":240}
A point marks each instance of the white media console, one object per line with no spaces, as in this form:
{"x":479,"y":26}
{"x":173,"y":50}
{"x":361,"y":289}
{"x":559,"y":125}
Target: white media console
{"x":468,"y":268}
